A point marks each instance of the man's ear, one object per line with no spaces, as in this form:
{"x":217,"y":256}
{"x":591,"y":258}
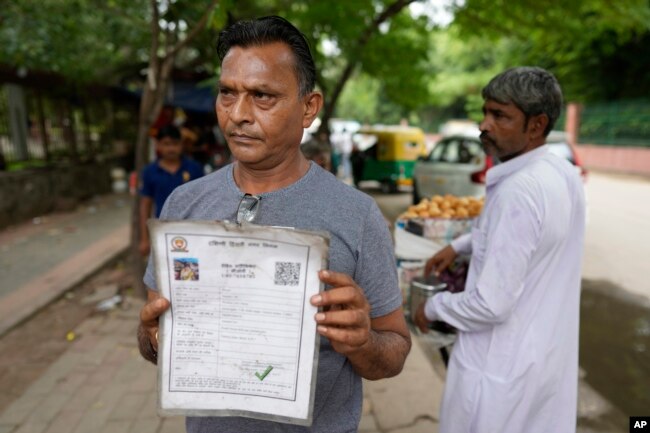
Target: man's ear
{"x":313,"y":104}
{"x":537,"y":125}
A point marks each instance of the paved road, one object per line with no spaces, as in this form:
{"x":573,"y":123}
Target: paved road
{"x":103,"y":388}
{"x":61,"y":234}
{"x":617,"y":245}
{"x":617,"y":248}
{"x":42,"y":258}
{"x":100,"y":383}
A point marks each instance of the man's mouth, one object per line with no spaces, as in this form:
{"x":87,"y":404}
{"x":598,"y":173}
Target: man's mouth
{"x":242,"y":136}
{"x":486,"y":139}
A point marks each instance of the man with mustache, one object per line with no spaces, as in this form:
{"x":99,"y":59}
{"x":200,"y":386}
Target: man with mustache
{"x":514,"y":367}
{"x":266,"y":98}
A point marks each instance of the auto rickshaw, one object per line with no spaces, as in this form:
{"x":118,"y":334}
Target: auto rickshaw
{"x":389,"y":155}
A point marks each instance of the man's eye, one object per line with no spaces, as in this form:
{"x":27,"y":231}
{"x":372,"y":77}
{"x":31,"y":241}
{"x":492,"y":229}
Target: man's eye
{"x":263,"y":96}
{"x":225,"y":92}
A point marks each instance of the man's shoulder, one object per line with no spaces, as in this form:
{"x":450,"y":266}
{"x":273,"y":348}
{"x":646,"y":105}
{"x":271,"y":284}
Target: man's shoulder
{"x":190,"y":164}
{"x":539,"y":178}
{"x":213,"y":183}
{"x":328,"y":185}
{"x":151,"y":167}
{"x":526,"y":182}
{"x":543,"y":169}
{"x":562,"y":165}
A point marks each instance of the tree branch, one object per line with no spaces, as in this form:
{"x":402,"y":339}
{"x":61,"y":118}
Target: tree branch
{"x":363,"y":40}
{"x":389,"y":12}
{"x":163,"y":87}
{"x":200,"y":25}
{"x":152,"y":71}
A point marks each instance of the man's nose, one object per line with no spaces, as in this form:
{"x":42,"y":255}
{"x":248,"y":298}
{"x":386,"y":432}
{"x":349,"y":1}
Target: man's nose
{"x":240,"y":111}
{"x":484,"y":126}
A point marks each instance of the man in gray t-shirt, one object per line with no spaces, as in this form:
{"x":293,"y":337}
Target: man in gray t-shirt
{"x":265,"y":99}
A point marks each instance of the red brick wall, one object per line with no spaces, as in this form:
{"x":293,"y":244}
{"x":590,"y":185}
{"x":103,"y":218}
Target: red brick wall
{"x":615,"y":158}
{"x":611,"y":158}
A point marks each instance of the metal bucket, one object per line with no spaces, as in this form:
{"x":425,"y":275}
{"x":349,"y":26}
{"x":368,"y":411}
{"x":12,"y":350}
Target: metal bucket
{"x":422,"y":289}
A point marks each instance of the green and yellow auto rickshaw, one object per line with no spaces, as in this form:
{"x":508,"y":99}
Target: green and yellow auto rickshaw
{"x":387,"y":154}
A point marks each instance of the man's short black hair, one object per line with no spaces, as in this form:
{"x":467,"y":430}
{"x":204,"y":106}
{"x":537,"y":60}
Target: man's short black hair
{"x":168,"y":131}
{"x":267,"y":30}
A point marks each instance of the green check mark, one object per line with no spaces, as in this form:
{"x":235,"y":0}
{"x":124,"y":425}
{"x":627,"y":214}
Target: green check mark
{"x":265,"y":373}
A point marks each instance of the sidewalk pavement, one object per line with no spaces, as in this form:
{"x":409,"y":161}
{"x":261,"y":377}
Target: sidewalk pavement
{"x":42,"y":259}
{"x":101,"y":384}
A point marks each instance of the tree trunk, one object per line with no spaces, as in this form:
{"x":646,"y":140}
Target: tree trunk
{"x":141,"y":158}
{"x":90,"y":148}
{"x":68,"y":119}
{"x":153,"y":98}
{"x":328,"y":111}
{"x":42,"y":126}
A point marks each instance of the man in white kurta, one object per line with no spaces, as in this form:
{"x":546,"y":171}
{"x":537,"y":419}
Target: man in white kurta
{"x":514,"y":367}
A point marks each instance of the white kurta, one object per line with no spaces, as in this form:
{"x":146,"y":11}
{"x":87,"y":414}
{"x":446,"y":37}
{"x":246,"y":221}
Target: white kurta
{"x":514,"y":367}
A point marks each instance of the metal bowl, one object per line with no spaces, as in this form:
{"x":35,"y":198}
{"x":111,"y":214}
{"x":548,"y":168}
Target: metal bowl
{"x":422,"y":289}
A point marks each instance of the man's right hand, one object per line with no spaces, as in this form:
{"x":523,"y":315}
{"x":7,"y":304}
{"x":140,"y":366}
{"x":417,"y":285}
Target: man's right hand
{"x":148,"y":329}
{"x":440,"y":261}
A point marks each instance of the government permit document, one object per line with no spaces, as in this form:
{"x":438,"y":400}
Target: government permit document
{"x":239,"y":338}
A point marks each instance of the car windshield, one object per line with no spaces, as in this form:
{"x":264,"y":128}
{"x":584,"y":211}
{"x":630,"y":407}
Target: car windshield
{"x":457,"y":150}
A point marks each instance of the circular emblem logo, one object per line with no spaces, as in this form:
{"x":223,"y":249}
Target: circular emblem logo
{"x":179,"y":244}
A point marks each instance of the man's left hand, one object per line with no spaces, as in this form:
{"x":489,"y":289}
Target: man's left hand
{"x":421,"y":320}
{"x":345,"y":319}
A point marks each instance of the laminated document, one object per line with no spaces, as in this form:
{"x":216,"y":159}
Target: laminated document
{"x":240,"y":337}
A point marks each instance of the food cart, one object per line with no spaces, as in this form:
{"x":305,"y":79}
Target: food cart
{"x":420,"y":232}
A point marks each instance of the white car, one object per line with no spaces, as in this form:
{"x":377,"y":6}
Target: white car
{"x":457,"y":165}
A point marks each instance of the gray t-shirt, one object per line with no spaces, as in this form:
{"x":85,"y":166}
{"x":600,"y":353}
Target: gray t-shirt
{"x":360,"y":246}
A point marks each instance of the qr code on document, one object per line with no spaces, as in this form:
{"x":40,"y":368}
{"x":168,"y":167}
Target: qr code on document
{"x":287,"y":273}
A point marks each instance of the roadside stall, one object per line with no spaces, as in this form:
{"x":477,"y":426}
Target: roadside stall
{"x":420,"y":232}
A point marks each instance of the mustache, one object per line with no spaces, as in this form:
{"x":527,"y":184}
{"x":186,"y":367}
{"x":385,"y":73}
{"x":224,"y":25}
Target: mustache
{"x":240,"y":133}
{"x":486,"y":137}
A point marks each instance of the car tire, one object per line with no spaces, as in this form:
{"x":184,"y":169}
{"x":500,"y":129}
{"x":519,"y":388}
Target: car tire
{"x":416,"y":193}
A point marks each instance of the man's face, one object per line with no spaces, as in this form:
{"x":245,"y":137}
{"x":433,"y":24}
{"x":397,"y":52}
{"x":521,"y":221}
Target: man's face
{"x":169,"y":149}
{"x":259,"y":108}
{"x":504,"y":130}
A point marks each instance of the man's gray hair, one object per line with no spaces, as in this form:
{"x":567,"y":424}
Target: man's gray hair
{"x":533,"y":90}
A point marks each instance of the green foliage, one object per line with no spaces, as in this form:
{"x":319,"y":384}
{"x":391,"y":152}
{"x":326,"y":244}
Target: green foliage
{"x":395,"y":54}
{"x":398,"y":59}
{"x":624,"y":122}
{"x":599,"y":50}
{"x":108,"y":40}
{"x":22,"y":165}
{"x":391,"y":113}
{"x":463,"y":65}
{"x":82,"y":39}
{"x":596,"y":48}
{"x":360,"y":99}
{"x":91,"y":40}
